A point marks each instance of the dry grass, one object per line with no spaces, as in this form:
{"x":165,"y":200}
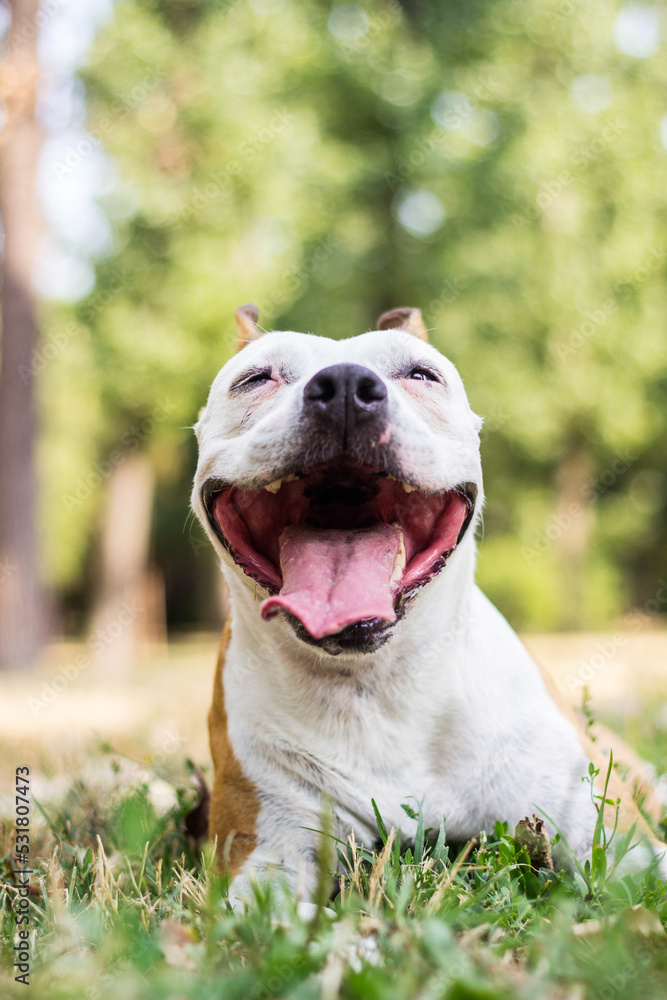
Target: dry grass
{"x":159,"y":706}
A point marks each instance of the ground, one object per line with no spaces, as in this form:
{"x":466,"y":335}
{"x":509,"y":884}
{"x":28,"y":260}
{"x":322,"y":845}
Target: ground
{"x":123,"y":904}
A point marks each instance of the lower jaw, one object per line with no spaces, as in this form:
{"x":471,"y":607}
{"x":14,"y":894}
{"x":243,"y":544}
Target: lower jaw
{"x":362,"y":637}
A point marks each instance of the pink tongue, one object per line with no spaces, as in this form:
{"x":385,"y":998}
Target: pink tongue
{"x":332,"y":578}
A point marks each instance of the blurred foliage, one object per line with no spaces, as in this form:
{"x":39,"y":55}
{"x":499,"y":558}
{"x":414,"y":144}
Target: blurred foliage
{"x":498,"y":164}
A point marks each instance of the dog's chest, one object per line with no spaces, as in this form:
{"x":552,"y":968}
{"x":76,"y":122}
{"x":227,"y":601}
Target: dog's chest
{"x":356,"y":744}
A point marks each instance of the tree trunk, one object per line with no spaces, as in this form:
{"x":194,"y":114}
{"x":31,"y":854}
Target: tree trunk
{"x":22,"y":610}
{"x":128,"y":619}
{"x":574,"y":516}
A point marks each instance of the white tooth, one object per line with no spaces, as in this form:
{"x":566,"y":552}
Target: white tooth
{"x":277,"y":483}
{"x":399,"y":561}
{"x":406,"y":486}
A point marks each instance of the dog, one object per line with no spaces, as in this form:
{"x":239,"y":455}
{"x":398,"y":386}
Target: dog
{"x":340,"y":484}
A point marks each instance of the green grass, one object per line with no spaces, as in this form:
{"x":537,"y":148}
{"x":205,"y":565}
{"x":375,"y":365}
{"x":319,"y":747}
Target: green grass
{"x":123,"y":908}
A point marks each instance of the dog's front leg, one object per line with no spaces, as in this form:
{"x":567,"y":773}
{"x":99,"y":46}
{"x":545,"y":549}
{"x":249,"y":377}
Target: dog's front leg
{"x":261,"y":833}
{"x":275,"y":831}
{"x":260,"y":829}
{"x":286,"y":853}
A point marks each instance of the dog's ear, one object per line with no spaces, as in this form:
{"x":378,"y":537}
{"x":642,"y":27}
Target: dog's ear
{"x":246,"y":322}
{"x":404,"y":319}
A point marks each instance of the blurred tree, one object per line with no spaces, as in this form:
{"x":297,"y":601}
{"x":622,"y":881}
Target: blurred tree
{"x":22,"y":624}
{"x":498,"y":164}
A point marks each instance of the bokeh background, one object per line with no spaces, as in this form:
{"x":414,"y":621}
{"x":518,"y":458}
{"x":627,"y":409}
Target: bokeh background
{"x":500,"y":164}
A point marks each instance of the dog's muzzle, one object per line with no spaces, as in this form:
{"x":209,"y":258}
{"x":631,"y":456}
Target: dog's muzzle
{"x":346,"y":400}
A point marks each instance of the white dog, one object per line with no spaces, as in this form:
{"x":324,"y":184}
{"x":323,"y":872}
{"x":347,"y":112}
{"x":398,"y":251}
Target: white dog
{"x":340,"y":484}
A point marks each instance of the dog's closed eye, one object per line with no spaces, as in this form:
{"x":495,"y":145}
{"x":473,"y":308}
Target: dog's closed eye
{"x":252,"y":379}
{"x":423,"y":374}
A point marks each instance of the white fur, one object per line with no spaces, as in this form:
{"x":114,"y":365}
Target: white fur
{"x":451,"y":711}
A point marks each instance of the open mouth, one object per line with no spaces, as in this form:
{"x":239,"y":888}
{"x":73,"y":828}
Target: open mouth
{"x":339,"y":545}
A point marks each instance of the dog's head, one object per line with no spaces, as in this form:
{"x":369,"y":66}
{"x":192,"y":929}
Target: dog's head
{"x":337,"y":477}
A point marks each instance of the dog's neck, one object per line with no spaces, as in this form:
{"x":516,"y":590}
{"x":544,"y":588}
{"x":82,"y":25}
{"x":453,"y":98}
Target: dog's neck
{"x":434,"y":626}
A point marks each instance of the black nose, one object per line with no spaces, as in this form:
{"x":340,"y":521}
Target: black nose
{"x":349,"y":397}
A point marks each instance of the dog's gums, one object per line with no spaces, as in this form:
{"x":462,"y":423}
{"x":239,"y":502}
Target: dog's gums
{"x":340,"y":544}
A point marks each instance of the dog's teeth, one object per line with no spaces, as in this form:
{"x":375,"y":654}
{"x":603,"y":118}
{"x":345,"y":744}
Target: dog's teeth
{"x":277,"y":483}
{"x":399,"y":561}
{"x":406,"y":486}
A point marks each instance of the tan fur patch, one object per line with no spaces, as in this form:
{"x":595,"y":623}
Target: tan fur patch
{"x":234,"y":802}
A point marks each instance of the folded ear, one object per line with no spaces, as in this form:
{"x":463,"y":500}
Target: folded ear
{"x":246,"y":322}
{"x":404,"y":319}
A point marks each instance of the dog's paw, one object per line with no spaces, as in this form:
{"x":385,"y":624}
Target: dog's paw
{"x":242,"y":896}
{"x":308,"y":911}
